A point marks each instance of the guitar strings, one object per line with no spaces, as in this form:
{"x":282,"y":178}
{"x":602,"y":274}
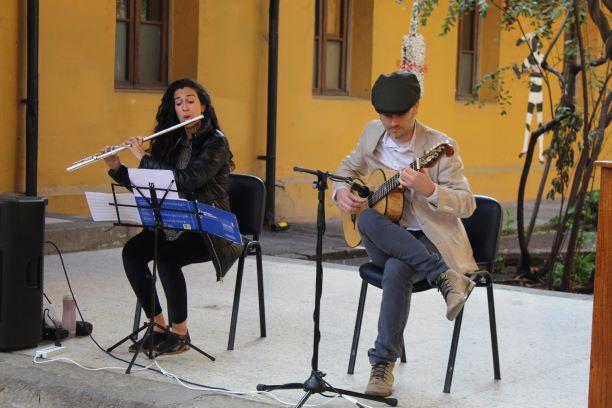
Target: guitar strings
{"x":393,"y":182}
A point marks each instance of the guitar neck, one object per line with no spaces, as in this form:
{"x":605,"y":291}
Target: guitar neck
{"x":385,"y":188}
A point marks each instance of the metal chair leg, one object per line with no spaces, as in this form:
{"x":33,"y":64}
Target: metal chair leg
{"x":453,"y":353}
{"x":493,"y":326}
{"x":137,"y":314}
{"x":232,"y":334}
{"x":357,"y":332}
{"x":260,"y":291}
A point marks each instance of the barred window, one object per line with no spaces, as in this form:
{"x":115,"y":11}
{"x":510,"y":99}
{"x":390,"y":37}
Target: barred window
{"x":330,"y":47}
{"x":467,"y":54}
{"x":141,"y":44}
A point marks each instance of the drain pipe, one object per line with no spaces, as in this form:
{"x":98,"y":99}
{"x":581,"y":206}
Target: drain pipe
{"x":270,"y":156}
{"x":32,"y":100}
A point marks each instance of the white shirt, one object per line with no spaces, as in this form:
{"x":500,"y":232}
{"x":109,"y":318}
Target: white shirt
{"x":397,"y":156}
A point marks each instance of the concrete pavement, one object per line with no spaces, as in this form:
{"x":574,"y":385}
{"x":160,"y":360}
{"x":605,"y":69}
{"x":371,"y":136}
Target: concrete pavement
{"x":544,"y":343}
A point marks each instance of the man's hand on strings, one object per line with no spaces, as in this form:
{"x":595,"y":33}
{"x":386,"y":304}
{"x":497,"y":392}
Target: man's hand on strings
{"x":349,"y":202}
{"x":417,"y":180}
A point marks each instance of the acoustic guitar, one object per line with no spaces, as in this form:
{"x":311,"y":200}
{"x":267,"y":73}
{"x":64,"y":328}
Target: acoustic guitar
{"x":384,"y":192}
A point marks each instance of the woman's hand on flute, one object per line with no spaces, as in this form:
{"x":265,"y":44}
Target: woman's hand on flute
{"x":135,"y":144}
{"x":111,"y":161}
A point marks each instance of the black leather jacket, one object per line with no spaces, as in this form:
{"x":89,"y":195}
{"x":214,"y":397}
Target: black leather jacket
{"x":205,"y":179}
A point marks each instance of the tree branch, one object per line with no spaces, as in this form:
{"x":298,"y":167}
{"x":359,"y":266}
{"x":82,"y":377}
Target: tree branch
{"x":593,"y":63}
{"x":544,"y":74}
{"x":605,"y":116}
{"x":598,"y":62}
{"x":552,"y":44}
{"x":601,"y":22}
{"x":557,"y":73}
{"x":523,"y":268}
{"x":600,"y":97}
{"x":545,"y":65}
{"x":585,"y":96}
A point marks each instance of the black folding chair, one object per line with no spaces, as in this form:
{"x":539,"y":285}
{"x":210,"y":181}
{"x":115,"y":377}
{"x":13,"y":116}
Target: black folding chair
{"x":248,"y":200}
{"x":483,"y":230}
{"x":247,"y":196}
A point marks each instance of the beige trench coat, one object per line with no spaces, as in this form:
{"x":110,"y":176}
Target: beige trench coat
{"x":441,"y":223}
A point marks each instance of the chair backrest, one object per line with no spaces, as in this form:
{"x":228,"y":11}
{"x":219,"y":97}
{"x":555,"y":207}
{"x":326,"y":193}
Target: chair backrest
{"x":483,"y":230}
{"x":247,"y":195}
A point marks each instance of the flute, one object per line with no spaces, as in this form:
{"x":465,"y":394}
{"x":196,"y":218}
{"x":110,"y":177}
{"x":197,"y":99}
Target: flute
{"x":99,"y":156}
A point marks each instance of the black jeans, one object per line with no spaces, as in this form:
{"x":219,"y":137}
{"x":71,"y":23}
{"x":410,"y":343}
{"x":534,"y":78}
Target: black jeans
{"x":172,"y":256}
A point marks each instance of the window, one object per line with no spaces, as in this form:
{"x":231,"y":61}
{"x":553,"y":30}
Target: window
{"x":467,"y":54}
{"x":330,"y":47}
{"x":141,"y":44}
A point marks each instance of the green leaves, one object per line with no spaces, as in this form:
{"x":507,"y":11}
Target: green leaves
{"x":562,"y":148}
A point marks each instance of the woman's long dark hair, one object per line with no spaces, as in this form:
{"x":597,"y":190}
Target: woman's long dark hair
{"x":164,"y":147}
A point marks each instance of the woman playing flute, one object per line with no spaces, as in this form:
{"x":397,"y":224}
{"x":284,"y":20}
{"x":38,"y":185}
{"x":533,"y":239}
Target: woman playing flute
{"x":200,"y":157}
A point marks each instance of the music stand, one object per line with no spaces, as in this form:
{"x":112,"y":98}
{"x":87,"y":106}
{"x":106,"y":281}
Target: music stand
{"x":315,"y":383}
{"x":155,"y":204}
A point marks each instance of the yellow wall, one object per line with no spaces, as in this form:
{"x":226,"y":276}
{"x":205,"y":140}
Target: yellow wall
{"x":325,"y":129}
{"x":10,"y":19}
{"x":232,"y":65}
{"x":224,"y":45}
{"x":80,"y":111}
{"x":184,"y":39}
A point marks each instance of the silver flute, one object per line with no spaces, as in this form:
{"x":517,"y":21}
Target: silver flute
{"x":99,"y":156}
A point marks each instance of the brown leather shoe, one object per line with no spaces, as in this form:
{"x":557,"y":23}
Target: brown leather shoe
{"x":456,"y":289}
{"x":381,"y":379}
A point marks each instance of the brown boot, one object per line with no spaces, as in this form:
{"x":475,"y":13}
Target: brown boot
{"x":381,"y":379}
{"x":455,"y":288}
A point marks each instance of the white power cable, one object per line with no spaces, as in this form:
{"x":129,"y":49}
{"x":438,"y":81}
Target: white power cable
{"x":51,"y":360}
{"x":212,"y":390}
{"x":253,"y":393}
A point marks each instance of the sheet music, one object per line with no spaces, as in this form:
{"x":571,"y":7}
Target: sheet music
{"x":220,"y":223}
{"x":162,"y":179}
{"x":101,"y":210}
{"x":178,"y":214}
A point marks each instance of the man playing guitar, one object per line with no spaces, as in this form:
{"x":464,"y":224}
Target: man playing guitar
{"x":429,"y":242}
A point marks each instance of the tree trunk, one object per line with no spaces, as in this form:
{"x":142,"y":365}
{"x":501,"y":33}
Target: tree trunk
{"x":567,"y":101}
{"x":524,"y":267}
{"x":583,"y":175}
{"x":572,"y":246}
{"x":538,"y":201}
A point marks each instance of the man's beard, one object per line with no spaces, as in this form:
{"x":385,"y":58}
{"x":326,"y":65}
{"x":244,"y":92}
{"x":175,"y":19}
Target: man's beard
{"x":398,"y":133}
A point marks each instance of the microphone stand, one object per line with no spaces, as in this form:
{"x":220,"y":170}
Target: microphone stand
{"x":315,"y":384}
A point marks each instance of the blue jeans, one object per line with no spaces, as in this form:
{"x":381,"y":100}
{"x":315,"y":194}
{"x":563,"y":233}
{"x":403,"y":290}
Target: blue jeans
{"x":406,"y":258}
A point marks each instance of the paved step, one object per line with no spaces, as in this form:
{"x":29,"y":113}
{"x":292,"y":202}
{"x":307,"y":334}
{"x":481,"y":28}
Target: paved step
{"x":76,"y":233}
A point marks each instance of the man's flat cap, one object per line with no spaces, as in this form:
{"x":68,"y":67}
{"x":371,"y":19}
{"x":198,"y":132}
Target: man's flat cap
{"x":396,"y":92}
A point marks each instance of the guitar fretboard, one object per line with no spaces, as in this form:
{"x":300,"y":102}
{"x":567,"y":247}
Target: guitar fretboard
{"x":385,"y":188}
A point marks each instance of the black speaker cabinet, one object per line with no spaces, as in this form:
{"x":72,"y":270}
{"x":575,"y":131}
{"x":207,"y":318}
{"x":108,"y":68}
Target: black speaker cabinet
{"x":22,"y":225}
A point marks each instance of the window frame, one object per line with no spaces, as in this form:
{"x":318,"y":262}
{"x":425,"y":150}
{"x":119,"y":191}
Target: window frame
{"x":322,"y":37}
{"x":475,"y":54}
{"x":133,"y":48}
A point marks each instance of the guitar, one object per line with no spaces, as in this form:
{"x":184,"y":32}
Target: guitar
{"x":384,"y":192}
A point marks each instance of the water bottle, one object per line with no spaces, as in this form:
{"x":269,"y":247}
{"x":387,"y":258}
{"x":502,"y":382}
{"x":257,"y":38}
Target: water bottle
{"x":69,"y":315}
